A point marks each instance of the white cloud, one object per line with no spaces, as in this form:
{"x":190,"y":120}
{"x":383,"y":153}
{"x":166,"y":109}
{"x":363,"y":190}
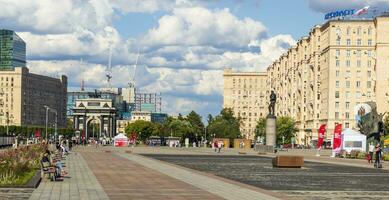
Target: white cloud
{"x":200,"y":26}
{"x":186,"y":52}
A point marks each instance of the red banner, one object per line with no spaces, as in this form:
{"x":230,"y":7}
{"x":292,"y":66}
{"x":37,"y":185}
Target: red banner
{"x":336,"y":146}
{"x":320,"y":136}
{"x":37,"y":133}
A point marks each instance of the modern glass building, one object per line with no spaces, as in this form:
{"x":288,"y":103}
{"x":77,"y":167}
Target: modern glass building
{"x":12,"y":50}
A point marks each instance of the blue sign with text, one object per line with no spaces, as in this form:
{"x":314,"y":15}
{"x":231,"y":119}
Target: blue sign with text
{"x":339,"y":13}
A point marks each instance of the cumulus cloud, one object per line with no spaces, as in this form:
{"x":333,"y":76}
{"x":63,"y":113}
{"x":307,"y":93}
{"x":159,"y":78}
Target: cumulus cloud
{"x":182,"y":56}
{"x":200,"y":26}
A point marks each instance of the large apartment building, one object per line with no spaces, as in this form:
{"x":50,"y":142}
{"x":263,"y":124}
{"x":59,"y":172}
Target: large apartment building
{"x":23,"y":97}
{"x":244,"y":93}
{"x":340,"y":64}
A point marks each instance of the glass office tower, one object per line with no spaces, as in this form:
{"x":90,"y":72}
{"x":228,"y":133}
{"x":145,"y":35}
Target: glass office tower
{"x":12,"y":50}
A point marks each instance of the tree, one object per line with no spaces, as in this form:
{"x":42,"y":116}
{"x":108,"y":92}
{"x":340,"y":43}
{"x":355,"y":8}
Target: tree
{"x":225,"y":125}
{"x":143,"y":129}
{"x":260,"y":128}
{"x":180,"y":128}
{"x":285,"y":128}
{"x":197,"y":125}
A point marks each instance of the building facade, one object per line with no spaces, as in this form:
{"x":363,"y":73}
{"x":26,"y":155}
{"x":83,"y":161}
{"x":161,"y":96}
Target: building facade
{"x":340,"y":64}
{"x":244,"y":93}
{"x":12,"y":50}
{"x":23,"y":97}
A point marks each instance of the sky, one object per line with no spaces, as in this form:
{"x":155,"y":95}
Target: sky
{"x":183,"y":45}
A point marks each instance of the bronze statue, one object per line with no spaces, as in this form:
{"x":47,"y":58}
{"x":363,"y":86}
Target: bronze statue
{"x":272,"y":105}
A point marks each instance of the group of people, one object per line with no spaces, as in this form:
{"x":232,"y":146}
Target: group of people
{"x":50,"y":160}
{"x":217,"y":145}
{"x":378,"y":155}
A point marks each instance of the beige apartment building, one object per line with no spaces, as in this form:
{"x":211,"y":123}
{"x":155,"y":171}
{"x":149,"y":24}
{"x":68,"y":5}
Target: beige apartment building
{"x":23,"y":96}
{"x":340,"y":64}
{"x":245,"y":94}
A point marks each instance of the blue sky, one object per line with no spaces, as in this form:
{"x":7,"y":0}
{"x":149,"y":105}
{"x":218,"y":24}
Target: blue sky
{"x":183,"y":45}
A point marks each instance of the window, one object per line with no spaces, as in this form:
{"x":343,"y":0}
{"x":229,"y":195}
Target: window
{"x":338,"y":41}
{"x":336,"y":115}
{"x":369,"y":63}
{"x":368,"y":84}
{"x":369,"y":42}
{"x":347,"y":105}
{"x":358,"y":95}
{"x":336,"y":104}
{"x":337,"y":53}
{"x":348,"y":63}
{"x":359,"y":74}
{"x":347,"y":125}
{"x":347,"y":94}
{"x":359,"y":42}
{"x":359,"y":53}
{"x":348,"y":31}
{"x":369,"y":53}
{"x":358,"y":63}
{"x":337,"y":73}
{"x":368,"y":94}
{"x":348,"y":42}
{"x":369,"y":74}
{"x":347,"y":115}
{"x":348,"y":53}
{"x":348,"y":74}
{"x":337,"y":84}
{"x":358,"y":84}
{"x":359,"y":31}
{"x":369,"y":31}
{"x":337,"y":94}
{"x":337,"y":63}
{"x":347,"y":84}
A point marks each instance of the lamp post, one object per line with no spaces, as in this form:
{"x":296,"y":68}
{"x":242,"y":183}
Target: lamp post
{"x":47,"y":118}
{"x":7,"y":114}
{"x":205,"y":137}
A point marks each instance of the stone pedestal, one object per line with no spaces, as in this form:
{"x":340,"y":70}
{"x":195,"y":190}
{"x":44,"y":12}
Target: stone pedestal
{"x":271,"y":130}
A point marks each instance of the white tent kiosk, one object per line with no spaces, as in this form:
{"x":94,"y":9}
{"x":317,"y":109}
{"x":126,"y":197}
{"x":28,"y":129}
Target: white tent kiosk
{"x":120,"y":140}
{"x":353,"y":140}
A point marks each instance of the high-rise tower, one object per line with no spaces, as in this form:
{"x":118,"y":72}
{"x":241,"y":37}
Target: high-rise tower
{"x":12,"y":50}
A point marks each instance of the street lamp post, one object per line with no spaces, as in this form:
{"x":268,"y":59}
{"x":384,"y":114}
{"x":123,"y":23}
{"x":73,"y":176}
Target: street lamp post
{"x":47,"y":118}
{"x":7,"y":113}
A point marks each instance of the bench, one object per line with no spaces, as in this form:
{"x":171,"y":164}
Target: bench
{"x":48,"y":170}
{"x":288,"y":161}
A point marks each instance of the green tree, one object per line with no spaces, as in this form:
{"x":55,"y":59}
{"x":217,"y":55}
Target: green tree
{"x":197,"y":125}
{"x":225,"y":125}
{"x":180,"y":128}
{"x":285,"y":128}
{"x":260,"y":128}
{"x":143,"y":129}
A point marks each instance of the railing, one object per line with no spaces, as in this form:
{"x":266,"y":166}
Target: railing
{"x":6,"y":141}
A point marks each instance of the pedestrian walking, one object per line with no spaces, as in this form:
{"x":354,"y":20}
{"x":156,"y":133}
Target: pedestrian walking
{"x":377,"y":151}
{"x":219,"y":146}
{"x":371,"y":152}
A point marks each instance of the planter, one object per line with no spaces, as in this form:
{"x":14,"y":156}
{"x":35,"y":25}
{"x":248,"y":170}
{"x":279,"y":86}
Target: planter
{"x":32,"y":183}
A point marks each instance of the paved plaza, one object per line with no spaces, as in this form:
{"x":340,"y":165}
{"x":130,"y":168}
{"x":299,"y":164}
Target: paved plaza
{"x":199,"y":173}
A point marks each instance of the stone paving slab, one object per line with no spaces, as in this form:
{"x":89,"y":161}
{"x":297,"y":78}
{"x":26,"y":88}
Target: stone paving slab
{"x":125,"y":179}
{"x":224,"y":189}
{"x":79,"y":184}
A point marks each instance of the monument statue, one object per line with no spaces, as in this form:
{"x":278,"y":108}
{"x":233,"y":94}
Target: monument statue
{"x":271,"y":122}
{"x":369,"y":121}
{"x":272,"y":105}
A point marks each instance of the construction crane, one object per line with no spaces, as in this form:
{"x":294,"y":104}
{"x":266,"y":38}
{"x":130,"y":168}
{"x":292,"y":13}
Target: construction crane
{"x":132,"y":80}
{"x":109,"y":69}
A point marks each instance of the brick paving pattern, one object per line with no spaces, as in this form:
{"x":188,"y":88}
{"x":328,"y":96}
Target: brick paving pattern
{"x":124,"y":179}
{"x":79,"y":184}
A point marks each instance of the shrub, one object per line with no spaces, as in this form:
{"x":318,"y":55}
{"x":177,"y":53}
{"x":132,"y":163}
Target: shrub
{"x":361,"y":155}
{"x":354,"y":153}
{"x":386,"y":157}
{"x":16,"y":164}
